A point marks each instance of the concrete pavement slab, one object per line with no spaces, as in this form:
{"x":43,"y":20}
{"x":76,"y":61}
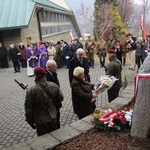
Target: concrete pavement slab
{"x":65,"y":133}
{"x":81,"y":126}
{"x":21,"y":146}
{"x":43,"y":142}
{"x":88,"y":119}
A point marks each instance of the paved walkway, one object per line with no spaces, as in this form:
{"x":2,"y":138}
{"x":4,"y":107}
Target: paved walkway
{"x":13,"y":128}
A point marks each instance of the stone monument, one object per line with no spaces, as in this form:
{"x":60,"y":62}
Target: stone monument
{"x":141,"y":114}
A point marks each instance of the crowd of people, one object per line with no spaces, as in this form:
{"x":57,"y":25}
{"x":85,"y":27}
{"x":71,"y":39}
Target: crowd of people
{"x":37,"y":54}
{"x":136,"y":48}
{"x":44,"y":100}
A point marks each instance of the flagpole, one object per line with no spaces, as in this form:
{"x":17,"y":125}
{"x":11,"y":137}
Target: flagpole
{"x":144,"y":12}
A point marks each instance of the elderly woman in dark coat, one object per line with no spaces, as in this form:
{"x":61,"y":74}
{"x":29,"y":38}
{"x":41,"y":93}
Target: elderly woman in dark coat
{"x":82,"y":94}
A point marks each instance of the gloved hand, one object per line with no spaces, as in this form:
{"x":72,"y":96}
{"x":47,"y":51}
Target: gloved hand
{"x":33,"y":126}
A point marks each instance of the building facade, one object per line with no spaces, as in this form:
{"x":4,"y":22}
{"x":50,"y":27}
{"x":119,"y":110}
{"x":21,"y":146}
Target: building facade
{"x":34,"y":20}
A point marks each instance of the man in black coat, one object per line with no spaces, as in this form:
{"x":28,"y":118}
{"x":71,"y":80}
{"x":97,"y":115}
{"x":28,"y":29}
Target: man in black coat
{"x":51,"y":72}
{"x":14,"y":56}
{"x":51,"y":76}
{"x":81,"y":61}
{"x":3,"y":56}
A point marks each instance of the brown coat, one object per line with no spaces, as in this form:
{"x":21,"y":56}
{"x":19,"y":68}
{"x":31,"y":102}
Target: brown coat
{"x":22,"y":50}
{"x":102,"y":45}
{"x":81,"y":97}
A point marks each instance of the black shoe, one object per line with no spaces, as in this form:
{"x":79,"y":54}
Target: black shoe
{"x":15,"y":71}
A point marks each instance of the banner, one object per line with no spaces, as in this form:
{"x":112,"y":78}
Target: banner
{"x":71,"y":36}
{"x":142,"y":27}
{"x":141,"y":22}
{"x":136,"y":81}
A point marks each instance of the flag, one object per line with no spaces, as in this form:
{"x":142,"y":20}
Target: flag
{"x":71,"y":36}
{"x":142,"y":22}
{"x":142,"y":27}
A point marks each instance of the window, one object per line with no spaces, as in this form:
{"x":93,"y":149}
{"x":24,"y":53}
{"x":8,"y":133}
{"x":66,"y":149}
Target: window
{"x":53,"y":18}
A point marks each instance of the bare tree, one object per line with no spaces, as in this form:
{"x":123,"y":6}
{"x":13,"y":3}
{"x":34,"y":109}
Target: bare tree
{"x":147,"y":28}
{"x":103,"y":19}
{"x":145,"y":8}
{"x":128,"y":12}
{"x":85,"y":12}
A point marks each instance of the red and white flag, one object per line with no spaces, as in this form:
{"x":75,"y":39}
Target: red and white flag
{"x":136,"y":81}
{"x":71,"y":36}
{"x":141,"y":22}
{"x":142,"y":27}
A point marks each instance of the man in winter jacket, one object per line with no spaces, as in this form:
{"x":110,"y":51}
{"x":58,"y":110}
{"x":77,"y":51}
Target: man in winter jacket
{"x":114,"y":68}
{"x":40,"y":111}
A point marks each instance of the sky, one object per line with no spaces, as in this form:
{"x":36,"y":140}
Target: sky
{"x":75,"y":4}
{"x":84,"y":25}
{"x":139,"y":2}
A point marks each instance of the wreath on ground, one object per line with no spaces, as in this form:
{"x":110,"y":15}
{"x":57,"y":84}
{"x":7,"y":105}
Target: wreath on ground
{"x":113,"y":120}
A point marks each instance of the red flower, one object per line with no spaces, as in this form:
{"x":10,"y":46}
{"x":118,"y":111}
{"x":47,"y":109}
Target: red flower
{"x":123,"y":120}
{"x":116,"y":116}
{"x":121,"y":113}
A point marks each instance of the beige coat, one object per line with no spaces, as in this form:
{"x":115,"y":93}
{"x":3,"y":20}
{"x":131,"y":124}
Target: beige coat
{"x":89,"y":46}
{"x":51,"y":52}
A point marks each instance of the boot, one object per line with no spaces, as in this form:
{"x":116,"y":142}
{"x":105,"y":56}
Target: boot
{"x":124,"y":61}
{"x":89,"y":64}
{"x":92,"y":64}
{"x":101,"y":64}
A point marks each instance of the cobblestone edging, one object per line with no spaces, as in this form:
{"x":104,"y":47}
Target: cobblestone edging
{"x":69,"y":132}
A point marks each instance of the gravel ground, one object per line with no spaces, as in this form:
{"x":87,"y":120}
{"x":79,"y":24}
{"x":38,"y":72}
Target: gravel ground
{"x":93,"y":140}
